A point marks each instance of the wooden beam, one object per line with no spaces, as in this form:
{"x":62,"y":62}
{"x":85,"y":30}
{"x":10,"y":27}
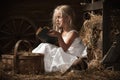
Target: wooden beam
{"x":93,"y":6}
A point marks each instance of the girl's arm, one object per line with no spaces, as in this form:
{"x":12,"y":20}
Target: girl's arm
{"x":64,"y":44}
{"x":70,"y":38}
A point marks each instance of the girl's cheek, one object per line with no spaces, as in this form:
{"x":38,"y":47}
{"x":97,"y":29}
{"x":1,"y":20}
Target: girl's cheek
{"x":61,"y":20}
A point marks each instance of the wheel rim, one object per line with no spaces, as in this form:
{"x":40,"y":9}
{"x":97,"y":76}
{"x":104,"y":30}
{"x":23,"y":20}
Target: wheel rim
{"x":14,"y":29}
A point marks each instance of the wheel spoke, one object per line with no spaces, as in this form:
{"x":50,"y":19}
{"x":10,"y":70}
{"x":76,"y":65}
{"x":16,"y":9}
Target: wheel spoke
{"x":10,"y":29}
{"x":29,"y":34}
{"x":27,"y":28}
{"x":5,"y":38}
{"x":9,"y":43}
{"x":5,"y":32}
{"x":20,"y":26}
{"x":14,"y":26}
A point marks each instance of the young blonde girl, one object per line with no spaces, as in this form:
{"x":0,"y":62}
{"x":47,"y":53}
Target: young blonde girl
{"x":60,"y":58}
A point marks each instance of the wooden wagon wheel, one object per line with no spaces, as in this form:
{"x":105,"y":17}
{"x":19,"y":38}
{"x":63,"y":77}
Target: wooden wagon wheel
{"x":14,"y":29}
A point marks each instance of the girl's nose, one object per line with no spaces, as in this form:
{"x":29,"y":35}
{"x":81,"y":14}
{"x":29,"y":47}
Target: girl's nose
{"x":57,"y":20}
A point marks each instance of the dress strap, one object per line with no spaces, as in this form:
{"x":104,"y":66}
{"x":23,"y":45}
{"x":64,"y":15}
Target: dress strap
{"x":72,"y":31}
{"x":65,"y":37}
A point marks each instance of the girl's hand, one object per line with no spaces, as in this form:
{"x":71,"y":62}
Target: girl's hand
{"x":53,"y":33}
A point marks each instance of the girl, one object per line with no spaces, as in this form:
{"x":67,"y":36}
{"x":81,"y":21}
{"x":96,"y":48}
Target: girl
{"x":70,"y":46}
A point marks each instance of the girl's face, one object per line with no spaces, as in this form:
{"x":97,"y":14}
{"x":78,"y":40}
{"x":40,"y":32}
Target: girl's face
{"x":59,"y":20}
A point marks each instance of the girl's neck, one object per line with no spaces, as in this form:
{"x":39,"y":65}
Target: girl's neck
{"x":66,"y":29}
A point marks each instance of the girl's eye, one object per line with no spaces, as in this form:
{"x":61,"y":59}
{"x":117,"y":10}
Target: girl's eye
{"x":58,"y":17}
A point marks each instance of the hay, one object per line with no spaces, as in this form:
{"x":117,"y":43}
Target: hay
{"x":89,"y":74}
{"x":91,"y":35}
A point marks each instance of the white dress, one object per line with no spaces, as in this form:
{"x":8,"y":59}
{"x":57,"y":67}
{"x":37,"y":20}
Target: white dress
{"x":55,"y":59}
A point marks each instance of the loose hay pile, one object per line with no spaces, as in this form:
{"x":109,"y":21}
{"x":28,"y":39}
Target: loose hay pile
{"x":91,"y":35}
{"x":90,"y":74}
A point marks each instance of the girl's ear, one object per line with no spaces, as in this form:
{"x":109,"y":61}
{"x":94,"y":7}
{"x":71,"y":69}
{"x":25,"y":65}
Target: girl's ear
{"x":68,"y":19}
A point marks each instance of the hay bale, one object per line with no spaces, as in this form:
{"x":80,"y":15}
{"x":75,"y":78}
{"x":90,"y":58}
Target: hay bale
{"x":91,"y":35}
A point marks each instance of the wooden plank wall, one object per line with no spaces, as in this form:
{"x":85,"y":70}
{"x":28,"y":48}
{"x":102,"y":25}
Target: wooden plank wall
{"x":39,"y":11}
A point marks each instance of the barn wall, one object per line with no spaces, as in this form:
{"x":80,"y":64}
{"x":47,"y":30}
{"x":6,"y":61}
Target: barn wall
{"x":39,"y":11}
{"x":111,"y":22}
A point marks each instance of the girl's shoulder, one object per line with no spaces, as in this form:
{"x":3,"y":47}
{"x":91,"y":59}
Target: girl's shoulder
{"x":73,"y":31}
